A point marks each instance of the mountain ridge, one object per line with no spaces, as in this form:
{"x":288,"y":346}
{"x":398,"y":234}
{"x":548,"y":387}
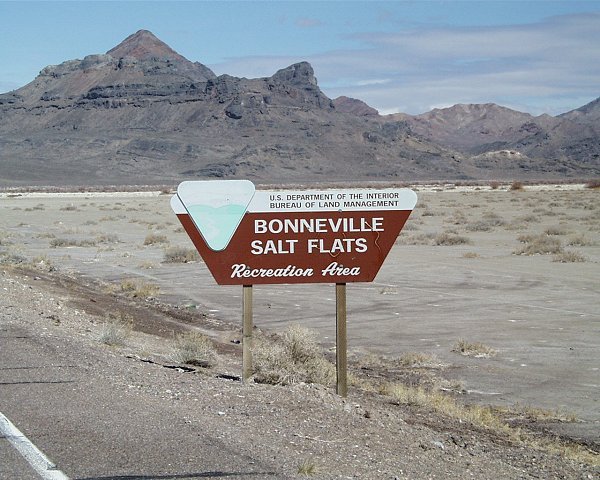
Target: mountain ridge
{"x":142,"y":113}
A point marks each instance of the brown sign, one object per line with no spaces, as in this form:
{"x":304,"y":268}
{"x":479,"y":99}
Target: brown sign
{"x":250,"y":237}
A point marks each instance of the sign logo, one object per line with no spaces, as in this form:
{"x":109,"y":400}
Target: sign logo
{"x":215,"y":211}
{"x":247,"y":236}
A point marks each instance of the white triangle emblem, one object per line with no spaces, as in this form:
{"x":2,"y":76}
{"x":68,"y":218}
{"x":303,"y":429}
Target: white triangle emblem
{"x":216,"y":207}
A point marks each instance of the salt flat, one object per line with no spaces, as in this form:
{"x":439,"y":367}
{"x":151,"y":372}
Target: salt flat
{"x":453,"y":274}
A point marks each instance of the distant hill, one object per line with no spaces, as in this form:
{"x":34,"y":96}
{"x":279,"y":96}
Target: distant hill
{"x":142,"y":113}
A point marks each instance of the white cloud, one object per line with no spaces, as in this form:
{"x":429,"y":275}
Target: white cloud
{"x":308,"y":22}
{"x":529,"y":67}
{"x":375,"y":81}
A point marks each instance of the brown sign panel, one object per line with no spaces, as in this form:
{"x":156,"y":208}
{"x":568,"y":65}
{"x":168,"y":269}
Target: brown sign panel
{"x":328,"y":236}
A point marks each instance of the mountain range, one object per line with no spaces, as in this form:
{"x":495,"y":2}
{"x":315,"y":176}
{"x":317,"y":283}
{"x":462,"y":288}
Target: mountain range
{"x":143,"y":114}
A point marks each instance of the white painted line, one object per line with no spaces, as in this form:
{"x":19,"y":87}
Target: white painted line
{"x":38,"y":461}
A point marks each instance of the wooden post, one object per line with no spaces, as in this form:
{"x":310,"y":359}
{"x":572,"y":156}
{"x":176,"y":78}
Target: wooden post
{"x":341,"y":340}
{"x":247,"y":333}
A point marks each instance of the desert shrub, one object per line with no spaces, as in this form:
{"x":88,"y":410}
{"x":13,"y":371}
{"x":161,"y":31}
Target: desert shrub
{"x":449,"y":239}
{"x":45,"y":235}
{"x":415,"y":239}
{"x":529,"y":218}
{"x":11,"y":258}
{"x":470,"y":255}
{"x":457,"y":218}
{"x":538,"y":245}
{"x":107,"y":238}
{"x":490,"y":418}
{"x":153,"y":239}
{"x":42,"y":262}
{"x":115,"y":330}
{"x":474,"y":349}
{"x":418,"y":360}
{"x":580,"y":240}
{"x":307,"y":467}
{"x":70,"y":242}
{"x":555,"y":230}
{"x":494,"y":185}
{"x":487,"y":223}
{"x":414,"y":396}
{"x":147,"y":265}
{"x":569,"y":257}
{"x":480,"y":226}
{"x":180,"y":255}
{"x":388,"y":291}
{"x":69,"y":208}
{"x":295,"y":356}
{"x":195,"y":349}
{"x":517,"y":186}
{"x":593,"y":184}
{"x":135,"y":289}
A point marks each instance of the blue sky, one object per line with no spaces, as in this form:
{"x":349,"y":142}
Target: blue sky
{"x":398,"y":56}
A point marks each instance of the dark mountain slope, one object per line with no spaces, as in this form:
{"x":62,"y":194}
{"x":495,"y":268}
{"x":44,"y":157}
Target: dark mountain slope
{"x":142,"y":113}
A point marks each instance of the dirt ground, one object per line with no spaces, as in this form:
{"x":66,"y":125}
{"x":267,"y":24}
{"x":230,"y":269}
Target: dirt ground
{"x":460,"y":271}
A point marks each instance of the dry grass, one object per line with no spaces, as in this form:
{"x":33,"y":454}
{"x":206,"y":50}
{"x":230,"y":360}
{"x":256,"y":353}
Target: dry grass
{"x":70,"y":242}
{"x":418,"y":360}
{"x":307,"y":467}
{"x":11,"y":258}
{"x":415,"y":239}
{"x":154,"y":239}
{"x":69,"y":208}
{"x":529,"y":413}
{"x":293,"y":357}
{"x":195,"y":349}
{"x":474,"y":349}
{"x":479,"y":416}
{"x":539,"y":245}
{"x":580,"y":240}
{"x":43,"y":263}
{"x":569,"y":256}
{"x":450,"y":239}
{"x":555,"y":231}
{"x":181,"y":255}
{"x":134,"y":289}
{"x":493,"y":419}
{"x":593,"y":184}
{"x":488,"y":221}
{"x":147,"y":265}
{"x":115,"y":330}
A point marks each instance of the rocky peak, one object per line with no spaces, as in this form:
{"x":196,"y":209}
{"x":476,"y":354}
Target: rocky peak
{"x":353,"y":106}
{"x":143,"y":45}
{"x":300,"y":73}
{"x":589,"y":113}
{"x":157,"y":57}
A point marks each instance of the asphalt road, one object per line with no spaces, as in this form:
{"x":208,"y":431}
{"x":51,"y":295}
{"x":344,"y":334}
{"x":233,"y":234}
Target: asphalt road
{"x":72,"y":405}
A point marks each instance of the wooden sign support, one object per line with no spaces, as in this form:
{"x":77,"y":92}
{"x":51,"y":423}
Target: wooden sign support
{"x":341,"y":340}
{"x":247,"y":333}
